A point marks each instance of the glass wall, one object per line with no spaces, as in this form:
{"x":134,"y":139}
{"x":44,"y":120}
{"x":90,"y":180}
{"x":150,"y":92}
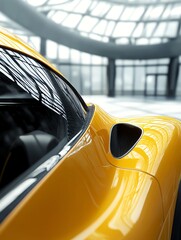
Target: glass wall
{"x":141,"y":77}
{"x":88,"y":73}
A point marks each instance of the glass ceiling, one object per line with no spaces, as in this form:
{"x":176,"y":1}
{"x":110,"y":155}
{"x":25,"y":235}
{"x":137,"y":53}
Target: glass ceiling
{"x":116,"y":21}
{"x":120,"y":22}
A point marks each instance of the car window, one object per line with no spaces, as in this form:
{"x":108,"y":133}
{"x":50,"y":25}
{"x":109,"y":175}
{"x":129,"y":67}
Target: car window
{"x":38,"y":111}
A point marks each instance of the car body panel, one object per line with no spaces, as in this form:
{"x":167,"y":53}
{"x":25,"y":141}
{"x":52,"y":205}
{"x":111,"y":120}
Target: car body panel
{"x":86,"y":197}
{"x":154,"y":153}
{"x":90,"y":194}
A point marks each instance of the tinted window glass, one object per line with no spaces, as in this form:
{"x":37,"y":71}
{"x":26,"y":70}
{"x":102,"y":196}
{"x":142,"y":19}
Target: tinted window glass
{"x":43,"y":84}
{"x":38,"y":110}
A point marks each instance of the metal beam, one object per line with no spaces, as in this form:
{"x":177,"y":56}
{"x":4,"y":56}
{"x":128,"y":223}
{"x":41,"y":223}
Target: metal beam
{"x":172,"y":79}
{"x":111,"y":77}
{"x":29,"y":18}
{"x":157,"y":20}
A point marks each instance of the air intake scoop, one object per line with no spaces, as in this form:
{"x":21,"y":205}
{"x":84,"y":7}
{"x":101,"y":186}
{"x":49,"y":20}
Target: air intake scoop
{"x":124,"y":137}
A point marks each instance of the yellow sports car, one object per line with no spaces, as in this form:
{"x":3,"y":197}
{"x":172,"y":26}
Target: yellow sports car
{"x":68,"y":170}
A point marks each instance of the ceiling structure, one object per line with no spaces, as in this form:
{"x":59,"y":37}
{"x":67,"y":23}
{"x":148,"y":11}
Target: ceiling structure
{"x":121,"y":22}
{"x":127,"y":29}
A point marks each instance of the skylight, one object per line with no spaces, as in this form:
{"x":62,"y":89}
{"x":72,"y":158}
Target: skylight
{"x":58,"y":16}
{"x":71,"y":20}
{"x":156,"y":12}
{"x":123,"y":29}
{"x":113,"y":21}
{"x":82,"y":6}
{"x":87,"y":24}
{"x":137,"y":13}
{"x":100,"y":27}
{"x":100,"y":9}
{"x":115,"y":12}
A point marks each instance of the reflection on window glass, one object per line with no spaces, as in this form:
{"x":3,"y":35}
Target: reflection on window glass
{"x":39,"y":110}
{"x":41,"y":83}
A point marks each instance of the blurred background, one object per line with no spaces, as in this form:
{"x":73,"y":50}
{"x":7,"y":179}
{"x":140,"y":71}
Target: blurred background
{"x":121,"y":54}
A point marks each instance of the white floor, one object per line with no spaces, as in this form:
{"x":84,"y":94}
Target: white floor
{"x":137,"y":106}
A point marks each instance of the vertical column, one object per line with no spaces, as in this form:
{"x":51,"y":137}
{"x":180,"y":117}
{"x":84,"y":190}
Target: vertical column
{"x":43,"y":47}
{"x":172,"y":79}
{"x":111,"y":75}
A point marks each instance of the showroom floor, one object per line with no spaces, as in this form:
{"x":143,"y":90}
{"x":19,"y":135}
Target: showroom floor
{"x":137,"y":106}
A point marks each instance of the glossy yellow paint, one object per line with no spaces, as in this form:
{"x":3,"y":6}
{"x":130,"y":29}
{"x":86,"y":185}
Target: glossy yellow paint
{"x":92,"y":195}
